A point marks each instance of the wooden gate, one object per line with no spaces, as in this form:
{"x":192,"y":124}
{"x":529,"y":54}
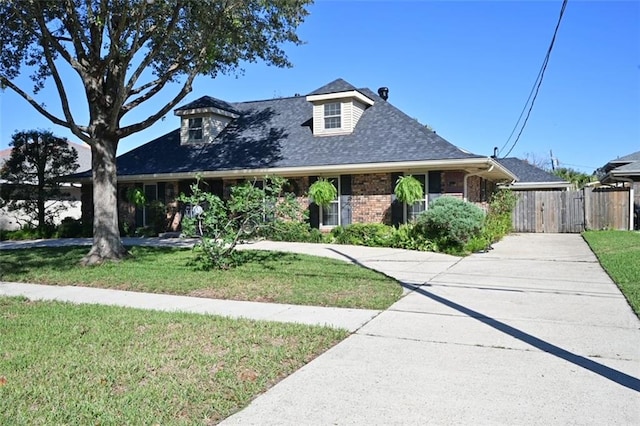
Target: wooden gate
{"x":571,"y":211}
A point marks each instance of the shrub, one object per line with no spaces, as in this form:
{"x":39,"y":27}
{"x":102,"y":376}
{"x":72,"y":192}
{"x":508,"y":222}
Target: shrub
{"x":29,"y":232}
{"x":477,"y":244}
{"x":293,"y":231}
{"x":498,"y":222}
{"x":406,"y":237}
{"x":69,"y":228}
{"x":364,"y":234}
{"x":450,"y":223}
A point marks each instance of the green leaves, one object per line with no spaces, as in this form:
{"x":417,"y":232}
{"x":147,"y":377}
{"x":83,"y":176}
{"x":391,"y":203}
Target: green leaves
{"x":37,"y":160}
{"x":409,"y":189}
{"x":252,"y":207}
{"x":322,"y":192}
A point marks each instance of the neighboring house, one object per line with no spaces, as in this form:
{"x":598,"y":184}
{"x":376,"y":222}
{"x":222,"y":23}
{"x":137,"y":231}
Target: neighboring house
{"x":72,"y":208}
{"x":624,"y":171}
{"x":530,"y":177}
{"x":354,"y":137}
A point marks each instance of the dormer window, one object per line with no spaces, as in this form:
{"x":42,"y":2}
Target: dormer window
{"x":202,"y":120}
{"x":337,"y":113}
{"x":195,"y":129}
{"x":332,"y":116}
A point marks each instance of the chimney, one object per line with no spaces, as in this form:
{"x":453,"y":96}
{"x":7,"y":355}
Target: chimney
{"x":384,"y":93}
{"x":495,"y":152}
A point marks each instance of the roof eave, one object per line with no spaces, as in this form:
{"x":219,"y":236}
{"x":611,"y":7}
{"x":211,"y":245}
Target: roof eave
{"x":481,"y":166}
{"x":341,"y":95}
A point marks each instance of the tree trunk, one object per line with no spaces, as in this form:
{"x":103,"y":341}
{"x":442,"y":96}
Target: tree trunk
{"x":40,"y":203}
{"x":107,"y":245}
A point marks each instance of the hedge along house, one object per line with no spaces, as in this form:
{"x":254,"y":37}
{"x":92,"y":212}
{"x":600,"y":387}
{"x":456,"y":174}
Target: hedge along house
{"x":353,"y":137}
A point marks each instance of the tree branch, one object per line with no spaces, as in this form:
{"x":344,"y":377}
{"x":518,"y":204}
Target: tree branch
{"x":46,"y":35}
{"x":81,"y":129}
{"x":186,"y":88}
{"x":74,"y":27}
{"x":151,"y":54}
{"x":156,"y":85}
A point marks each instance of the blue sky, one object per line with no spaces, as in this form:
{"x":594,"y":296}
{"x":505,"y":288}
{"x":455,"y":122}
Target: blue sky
{"x":464,"y":68}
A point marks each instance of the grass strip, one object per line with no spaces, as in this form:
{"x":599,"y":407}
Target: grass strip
{"x":619,"y":254}
{"x":264,"y":277}
{"x":86,"y":364}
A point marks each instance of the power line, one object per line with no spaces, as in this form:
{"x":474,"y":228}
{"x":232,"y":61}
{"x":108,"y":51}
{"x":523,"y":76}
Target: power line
{"x":536,"y":85}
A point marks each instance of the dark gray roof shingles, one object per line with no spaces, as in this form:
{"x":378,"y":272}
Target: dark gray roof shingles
{"x":336,"y":86}
{"x":209,"y":102}
{"x":277,"y":133}
{"x":527,"y":172}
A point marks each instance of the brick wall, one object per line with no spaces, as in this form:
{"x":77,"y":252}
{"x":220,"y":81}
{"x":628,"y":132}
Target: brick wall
{"x":371,"y":198}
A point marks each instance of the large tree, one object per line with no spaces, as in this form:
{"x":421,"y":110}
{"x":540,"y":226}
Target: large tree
{"x":37,"y":160}
{"x":125,"y":52}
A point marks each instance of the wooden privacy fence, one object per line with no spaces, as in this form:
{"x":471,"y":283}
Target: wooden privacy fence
{"x":572,"y":211}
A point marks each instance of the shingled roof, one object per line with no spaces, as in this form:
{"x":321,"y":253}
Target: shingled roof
{"x":527,"y":172}
{"x":208,"y":102}
{"x":278,"y":133}
{"x":336,"y":86}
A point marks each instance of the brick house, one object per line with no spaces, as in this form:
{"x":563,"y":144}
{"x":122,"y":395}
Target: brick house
{"x":354,"y":137}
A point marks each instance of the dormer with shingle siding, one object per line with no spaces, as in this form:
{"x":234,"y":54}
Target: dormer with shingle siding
{"x":337,"y":108}
{"x":202,"y":120}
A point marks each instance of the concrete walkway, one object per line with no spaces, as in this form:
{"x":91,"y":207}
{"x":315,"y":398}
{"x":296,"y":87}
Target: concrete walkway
{"x":533,"y":332}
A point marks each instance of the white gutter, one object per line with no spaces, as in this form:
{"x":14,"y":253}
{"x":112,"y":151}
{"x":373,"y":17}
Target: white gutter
{"x":406,"y":166}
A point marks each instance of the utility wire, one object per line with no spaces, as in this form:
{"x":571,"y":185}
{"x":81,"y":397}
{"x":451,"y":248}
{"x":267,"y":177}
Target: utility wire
{"x":536,"y":86}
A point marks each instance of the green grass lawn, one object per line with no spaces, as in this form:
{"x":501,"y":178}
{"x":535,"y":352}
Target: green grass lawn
{"x":85,"y":364}
{"x":266,"y":276}
{"x":619,"y":254}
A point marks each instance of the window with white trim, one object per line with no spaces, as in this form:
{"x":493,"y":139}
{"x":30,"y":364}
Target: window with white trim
{"x":333,"y":115}
{"x":195,"y":129}
{"x":330,"y":215}
{"x":411,"y":212}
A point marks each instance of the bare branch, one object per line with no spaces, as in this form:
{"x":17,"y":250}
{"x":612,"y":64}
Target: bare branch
{"x":80,"y":131}
{"x":54,"y":42}
{"x":56,"y":77}
{"x":156,"y":87}
{"x":186,"y":88}
{"x":74,"y":27}
{"x":96,"y":28}
{"x":141,"y":99}
{"x":152,"y":53}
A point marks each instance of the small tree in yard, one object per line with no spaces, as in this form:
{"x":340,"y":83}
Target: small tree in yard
{"x":37,"y":160}
{"x":124,"y":53}
{"x":250,"y":209}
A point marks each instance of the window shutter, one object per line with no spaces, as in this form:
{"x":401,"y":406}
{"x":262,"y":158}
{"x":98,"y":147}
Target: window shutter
{"x":397,"y":209}
{"x":314,"y":209}
{"x":435,"y":182}
{"x":139,"y":210}
{"x":215,"y":187}
{"x":162,"y":192}
{"x":345,"y":199}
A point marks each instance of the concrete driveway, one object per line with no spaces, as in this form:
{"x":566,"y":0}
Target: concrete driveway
{"x":533,"y":332}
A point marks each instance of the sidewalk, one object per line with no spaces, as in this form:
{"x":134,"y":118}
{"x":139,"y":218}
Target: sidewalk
{"x":533,"y":332}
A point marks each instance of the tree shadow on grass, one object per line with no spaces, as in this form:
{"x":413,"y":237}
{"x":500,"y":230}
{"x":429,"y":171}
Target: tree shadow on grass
{"x":22,"y":261}
{"x":63,"y":259}
{"x":266,"y":259}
